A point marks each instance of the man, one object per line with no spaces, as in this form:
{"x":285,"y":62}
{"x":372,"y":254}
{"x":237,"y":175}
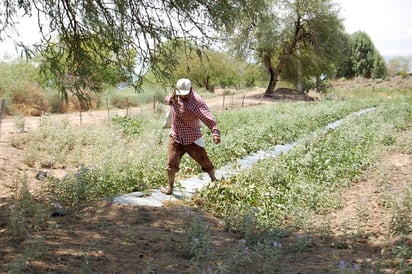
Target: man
{"x":187,"y":109}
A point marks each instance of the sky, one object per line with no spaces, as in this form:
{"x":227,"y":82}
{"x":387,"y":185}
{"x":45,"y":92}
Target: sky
{"x":385,"y":21}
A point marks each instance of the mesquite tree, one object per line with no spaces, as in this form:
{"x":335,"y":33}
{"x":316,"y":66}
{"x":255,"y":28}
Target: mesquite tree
{"x":88,"y":34}
{"x":281,"y":33}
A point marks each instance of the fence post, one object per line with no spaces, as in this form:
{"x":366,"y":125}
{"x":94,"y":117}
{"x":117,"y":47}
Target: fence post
{"x":223,"y":101}
{"x":108,"y":109}
{"x":2,"y":102}
{"x":154,"y":103}
{"x":127,"y":106}
{"x":243,"y":100}
{"x":80,"y":114}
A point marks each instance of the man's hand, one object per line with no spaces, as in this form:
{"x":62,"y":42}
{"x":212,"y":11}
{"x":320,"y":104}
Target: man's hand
{"x":173,"y":97}
{"x":216,"y":139}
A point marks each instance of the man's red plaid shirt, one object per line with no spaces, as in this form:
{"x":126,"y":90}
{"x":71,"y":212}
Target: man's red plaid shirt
{"x":185,"y":116}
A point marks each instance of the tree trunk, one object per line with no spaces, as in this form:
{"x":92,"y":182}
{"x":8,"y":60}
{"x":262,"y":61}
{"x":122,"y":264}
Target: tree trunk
{"x":272,"y":83}
{"x":318,"y":81}
{"x":287,"y":51}
{"x":299,"y":85}
{"x":274,"y":75}
{"x":208,"y":86}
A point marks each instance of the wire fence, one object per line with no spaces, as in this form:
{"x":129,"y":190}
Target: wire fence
{"x":81,"y":117}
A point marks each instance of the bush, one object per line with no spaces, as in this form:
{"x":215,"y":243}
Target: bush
{"x":123,"y":101}
{"x":57,"y":105}
{"x":127,"y":125}
{"x":29,"y":100}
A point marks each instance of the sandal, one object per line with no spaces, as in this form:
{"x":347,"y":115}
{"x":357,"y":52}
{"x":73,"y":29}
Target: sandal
{"x":167,"y":191}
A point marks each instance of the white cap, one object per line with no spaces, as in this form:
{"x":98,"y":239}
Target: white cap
{"x":183,"y":86}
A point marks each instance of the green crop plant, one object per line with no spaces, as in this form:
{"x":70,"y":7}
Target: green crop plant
{"x":311,"y":176}
{"x":131,"y":155}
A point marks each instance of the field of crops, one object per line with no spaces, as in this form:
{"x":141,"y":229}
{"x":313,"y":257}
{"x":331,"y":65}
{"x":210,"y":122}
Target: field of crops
{"x":268,"y":202}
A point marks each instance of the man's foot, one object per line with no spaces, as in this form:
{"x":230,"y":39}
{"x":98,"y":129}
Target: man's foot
{"x":167,"y":191}
{"x":212,"y":175}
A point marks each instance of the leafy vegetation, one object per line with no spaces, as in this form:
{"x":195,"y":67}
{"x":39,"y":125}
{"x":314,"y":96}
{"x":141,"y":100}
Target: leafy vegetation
{"x":249,"y":130}
{"x":61,"y":72}
{"x":127,"y":125}
{"x":265,"y":205}
{"x":217,"y":69}
{"x":364,"y":60}
{"x":133,"y":157}
{"x":311,"y":176}
{"x":289,"y":37}
{"x":113,"y":35}
{"x":399,"y":65}
{"x":18,"y":86}
{"x":121,"y":41}
{"x":302,"y":39}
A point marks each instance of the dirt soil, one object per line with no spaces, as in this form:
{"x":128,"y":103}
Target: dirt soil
{"x":102,"y":237}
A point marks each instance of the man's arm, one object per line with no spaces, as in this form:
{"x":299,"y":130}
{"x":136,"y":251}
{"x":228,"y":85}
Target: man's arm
{"x":206,"y":116}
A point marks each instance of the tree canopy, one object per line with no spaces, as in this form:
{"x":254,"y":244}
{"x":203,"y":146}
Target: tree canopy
{"x":130,"y":31}
{"x":293,"y":35}
{"x":83,"y":41}
{"x":363,"y":59}
{"x":399,"y":65}
{"x":210,"y":68}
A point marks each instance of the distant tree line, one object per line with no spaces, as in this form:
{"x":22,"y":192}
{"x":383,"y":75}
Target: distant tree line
{"x":361,"y":58}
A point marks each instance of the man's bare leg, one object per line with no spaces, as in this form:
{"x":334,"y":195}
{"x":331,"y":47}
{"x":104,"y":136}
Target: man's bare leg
{"x":171,"y":181}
